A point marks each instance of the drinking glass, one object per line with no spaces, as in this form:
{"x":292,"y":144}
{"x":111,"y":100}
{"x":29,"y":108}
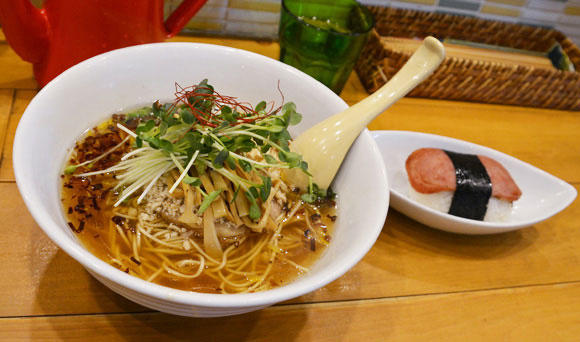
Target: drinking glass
{"x":324,"y":38}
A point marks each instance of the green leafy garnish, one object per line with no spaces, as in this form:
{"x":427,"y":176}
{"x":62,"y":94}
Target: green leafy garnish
{"x":207,"y":201}
{"x":316,"y":194}
{"x":193,"y":181}
{"x":203,"y":130}
{"x":70,"y":169}
{"x":254,"y":211}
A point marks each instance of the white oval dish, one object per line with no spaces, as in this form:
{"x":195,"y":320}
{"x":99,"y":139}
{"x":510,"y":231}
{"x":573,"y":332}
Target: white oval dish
{"x":543,"y":195}
{"x":122,"y":79}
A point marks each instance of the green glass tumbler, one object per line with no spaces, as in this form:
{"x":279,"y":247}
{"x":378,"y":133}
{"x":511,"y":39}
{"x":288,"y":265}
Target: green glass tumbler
{"x":324,"y":38}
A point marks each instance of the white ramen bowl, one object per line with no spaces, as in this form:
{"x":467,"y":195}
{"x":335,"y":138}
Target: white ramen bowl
{"x":120,"y":80}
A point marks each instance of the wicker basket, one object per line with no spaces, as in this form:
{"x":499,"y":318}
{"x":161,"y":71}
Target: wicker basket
{"x":467,"y":79}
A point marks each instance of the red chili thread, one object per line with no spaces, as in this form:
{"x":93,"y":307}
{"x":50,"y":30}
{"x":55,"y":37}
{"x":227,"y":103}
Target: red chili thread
{"x":211,"y":119}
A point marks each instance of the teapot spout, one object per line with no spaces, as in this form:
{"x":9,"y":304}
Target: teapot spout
{"x":25,"y":28}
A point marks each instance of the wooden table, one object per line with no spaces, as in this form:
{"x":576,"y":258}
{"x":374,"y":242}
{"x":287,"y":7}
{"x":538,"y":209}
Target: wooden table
{"x":416,"y":283}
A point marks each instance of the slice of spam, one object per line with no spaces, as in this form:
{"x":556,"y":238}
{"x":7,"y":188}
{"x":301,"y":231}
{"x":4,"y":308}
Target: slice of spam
{"x":430,"y":171}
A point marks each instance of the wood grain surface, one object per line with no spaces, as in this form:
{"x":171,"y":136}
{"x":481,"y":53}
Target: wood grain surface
{"x":415,"y":284}
{"x":544,"y":313}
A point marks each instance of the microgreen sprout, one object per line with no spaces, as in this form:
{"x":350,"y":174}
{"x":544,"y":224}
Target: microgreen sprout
{"x":207,"y":201}
{"x":315,"y":194}
{"x":204,"y":130}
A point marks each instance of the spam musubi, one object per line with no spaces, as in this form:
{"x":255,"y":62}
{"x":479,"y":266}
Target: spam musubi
{"x":465,"y":185}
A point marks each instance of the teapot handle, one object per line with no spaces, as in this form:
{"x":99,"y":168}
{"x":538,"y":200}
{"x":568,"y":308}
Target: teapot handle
{"x":177,"y":20}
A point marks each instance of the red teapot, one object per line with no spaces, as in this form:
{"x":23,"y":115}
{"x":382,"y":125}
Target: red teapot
{"x":63,"y":32}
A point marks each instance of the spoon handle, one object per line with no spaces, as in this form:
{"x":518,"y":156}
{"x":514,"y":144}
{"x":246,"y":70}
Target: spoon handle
{"x":325,"y":145}
{"x":421,"y":64}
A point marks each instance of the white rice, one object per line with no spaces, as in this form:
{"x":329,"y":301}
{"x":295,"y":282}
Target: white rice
{"x":497,"y":210}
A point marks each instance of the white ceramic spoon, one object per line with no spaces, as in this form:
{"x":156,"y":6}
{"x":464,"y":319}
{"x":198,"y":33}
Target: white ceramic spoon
{"x":325,"y":145}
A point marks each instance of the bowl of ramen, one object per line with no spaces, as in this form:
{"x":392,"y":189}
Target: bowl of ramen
{"x":163,"y":170}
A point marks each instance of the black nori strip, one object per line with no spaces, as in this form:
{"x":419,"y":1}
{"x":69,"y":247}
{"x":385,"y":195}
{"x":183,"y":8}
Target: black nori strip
{"x":473,"y":187}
